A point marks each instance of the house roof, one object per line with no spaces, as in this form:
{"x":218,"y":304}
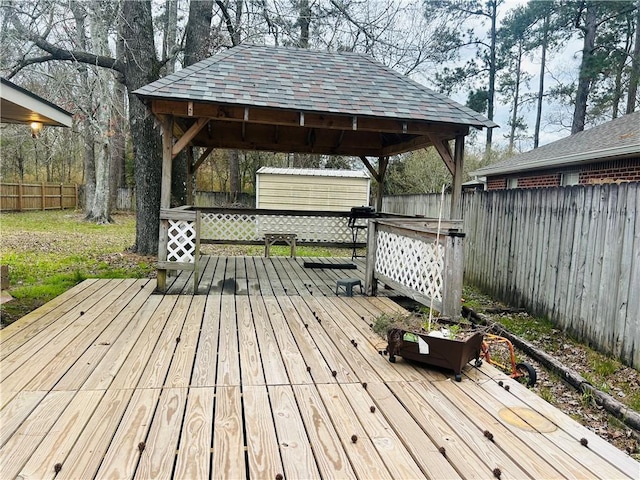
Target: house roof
{"x":19,"y":105}
{"x":619,"y":138}
{"x":304,"y":80}
{"x":314,"y":172}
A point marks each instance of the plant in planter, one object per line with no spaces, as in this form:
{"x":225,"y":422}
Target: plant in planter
{"x":436,"y":342}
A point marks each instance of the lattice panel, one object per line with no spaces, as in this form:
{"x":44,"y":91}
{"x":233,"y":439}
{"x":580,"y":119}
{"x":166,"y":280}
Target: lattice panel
{"x":181,"y":246}
{"x":228,"y":226}
{"x":309,"y":229}
{"x":414,"y":263}
{"x":245,"y":227}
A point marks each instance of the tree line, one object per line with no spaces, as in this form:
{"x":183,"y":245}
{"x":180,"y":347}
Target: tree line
{"x":89,"y":55}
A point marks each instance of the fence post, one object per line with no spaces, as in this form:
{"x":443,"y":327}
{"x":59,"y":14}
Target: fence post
{"x":20,"y":196}
{"x":76,"y":195}
{"x":453,"y":274}
{"x":61,"y":197}
{"x":370,"y":282}
{"x":42,"y":196}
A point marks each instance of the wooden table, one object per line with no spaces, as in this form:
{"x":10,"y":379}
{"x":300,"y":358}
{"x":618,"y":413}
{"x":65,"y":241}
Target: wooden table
{"x":271,"y":238}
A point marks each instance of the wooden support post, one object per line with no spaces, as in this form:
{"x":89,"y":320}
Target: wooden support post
{"x":43,"y":196}
{"x":456,"y":193}
{"x":165,"y":198}
{"x":452,"y":275}
{"x":190,"y":174}
{"x":61,"y":196}
{"x":370,"y":282}
{"x":75,"y":193}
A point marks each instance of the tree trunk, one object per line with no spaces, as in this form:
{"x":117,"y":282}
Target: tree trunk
{"x":80,"y":14}
{"x":169,"y":37}
{"x":118,"y":140}
{"x":543,"y":62}
{"x":141,"y":67}
{"x":516,"y":99}
{"x":234,"y":173}
{"x":304,"y":20}
{"x":198,"y":39}
{"x":634,"y":74}
{"x":586,"y":73}
{"x":100,"y":124}
{"x":492,"y":74}
{"x":99,"y":212}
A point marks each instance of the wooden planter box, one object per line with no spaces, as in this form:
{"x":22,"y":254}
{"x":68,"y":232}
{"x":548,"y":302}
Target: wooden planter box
{"x":439,"y":352}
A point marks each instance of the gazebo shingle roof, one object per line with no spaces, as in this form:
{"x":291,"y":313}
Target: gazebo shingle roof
{"x":306,"y":80}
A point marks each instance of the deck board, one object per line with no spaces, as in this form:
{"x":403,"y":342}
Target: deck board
{"x":144,"y":385}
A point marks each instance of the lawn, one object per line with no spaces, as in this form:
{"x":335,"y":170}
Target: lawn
{"x":49,"y":252}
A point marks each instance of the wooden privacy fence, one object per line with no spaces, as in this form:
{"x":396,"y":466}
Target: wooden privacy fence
{"x":570,"y":254}
{"x":37,"y":196}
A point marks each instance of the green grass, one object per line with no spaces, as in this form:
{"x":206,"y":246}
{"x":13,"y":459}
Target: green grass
{"x":50,"y":252}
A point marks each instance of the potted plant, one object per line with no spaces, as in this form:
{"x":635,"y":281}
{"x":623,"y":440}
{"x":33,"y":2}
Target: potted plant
{"x":436,"y":342}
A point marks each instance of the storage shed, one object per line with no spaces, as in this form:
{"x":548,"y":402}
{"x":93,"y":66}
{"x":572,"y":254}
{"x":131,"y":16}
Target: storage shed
{"x":311,"y":189}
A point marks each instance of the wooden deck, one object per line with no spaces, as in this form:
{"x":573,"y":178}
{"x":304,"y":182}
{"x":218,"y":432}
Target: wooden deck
{"x":266,"y":276}
{"x":110,"y":380}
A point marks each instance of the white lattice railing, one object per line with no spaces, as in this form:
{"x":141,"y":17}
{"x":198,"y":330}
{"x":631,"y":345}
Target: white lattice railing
{"x":250,"y":226}
{"x":179,"y":247}
{"x":410,"y":256}
{"x":183,"y":228}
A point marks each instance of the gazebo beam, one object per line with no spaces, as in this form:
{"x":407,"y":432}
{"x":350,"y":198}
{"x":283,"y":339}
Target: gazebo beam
{"x":188,"y":136}
{"x":378,"y":175}
{"x":202,"y":158}
{"x":444,"y":150}
{"x":326,"y":121}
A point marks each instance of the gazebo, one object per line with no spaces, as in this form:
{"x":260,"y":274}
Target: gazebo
{"x":291,"y":100}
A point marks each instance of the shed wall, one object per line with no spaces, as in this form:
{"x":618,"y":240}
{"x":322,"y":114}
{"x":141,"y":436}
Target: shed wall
{"x":317,"y":193}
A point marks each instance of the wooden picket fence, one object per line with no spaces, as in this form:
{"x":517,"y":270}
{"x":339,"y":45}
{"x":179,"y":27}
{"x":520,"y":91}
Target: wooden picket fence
{"x":569,"y":254}
{"x":37,"y":196}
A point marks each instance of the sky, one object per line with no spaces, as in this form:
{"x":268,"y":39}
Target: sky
{"x":562,"y":66}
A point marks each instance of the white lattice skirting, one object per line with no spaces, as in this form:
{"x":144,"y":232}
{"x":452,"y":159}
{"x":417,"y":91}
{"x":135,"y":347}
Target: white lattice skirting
{"x":414,"y":263}
{"x":181,"y":246}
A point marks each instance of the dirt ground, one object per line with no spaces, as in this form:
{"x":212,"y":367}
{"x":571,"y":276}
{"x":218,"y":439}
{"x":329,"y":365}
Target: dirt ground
{"x":621,"y":382}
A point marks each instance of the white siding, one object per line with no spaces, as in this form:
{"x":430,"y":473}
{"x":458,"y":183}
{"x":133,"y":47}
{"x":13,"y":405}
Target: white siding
{"x":311,"y":192}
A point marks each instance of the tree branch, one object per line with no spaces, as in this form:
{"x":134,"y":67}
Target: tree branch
{"x":28,"y":61}
{"x":57,"y":53}
{"x":227,"y":20}
{"x":78,"y":56}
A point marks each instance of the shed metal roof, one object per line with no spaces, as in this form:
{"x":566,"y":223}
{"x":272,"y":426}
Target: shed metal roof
{"x":313,"y":81}
{"x":315,"y":172}
{"x":619,"y":138}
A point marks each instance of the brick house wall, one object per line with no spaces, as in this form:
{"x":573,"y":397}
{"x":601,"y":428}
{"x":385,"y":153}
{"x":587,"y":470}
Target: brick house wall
{"x":612,"y":171}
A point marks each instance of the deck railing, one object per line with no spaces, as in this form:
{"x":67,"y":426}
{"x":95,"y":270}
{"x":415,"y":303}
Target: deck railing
{"x":410,"y":256}
{"x":403,"y":253}
{"x":185,"y":227}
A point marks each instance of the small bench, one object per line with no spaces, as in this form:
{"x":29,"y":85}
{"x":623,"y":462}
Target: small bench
{"x":288,"y":238}
{"x":347,"y":285}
